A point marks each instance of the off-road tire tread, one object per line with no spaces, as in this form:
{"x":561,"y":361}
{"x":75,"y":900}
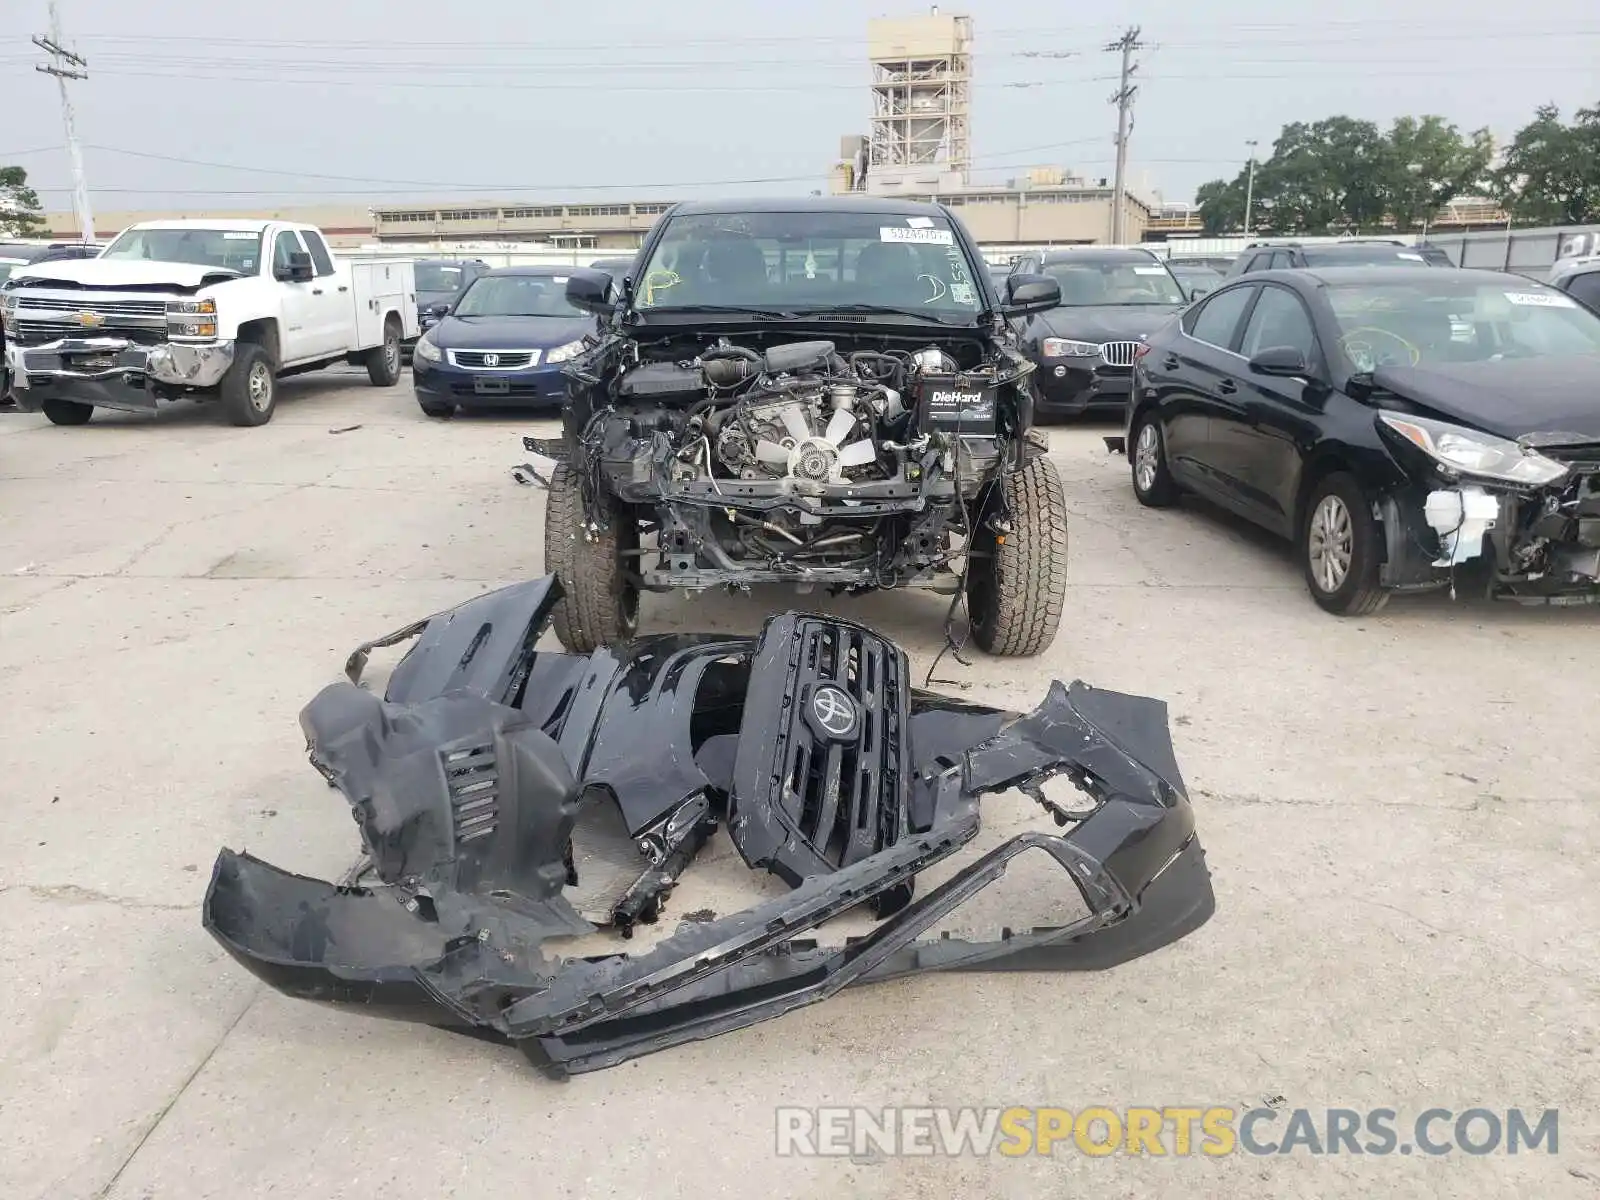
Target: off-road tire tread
{"x":1030,"y":565}
{"x":590,"y":573}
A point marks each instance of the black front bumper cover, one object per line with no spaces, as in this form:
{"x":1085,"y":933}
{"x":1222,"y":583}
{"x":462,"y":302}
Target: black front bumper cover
{"x":467,"y":777}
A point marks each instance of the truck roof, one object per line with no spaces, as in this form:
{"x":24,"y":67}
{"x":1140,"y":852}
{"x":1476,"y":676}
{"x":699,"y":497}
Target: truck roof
{"x":230,"y":224}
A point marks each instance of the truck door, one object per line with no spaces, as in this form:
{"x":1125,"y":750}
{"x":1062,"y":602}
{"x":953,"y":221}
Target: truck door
{"x":332,"y":308}
{"x":297,"y":336}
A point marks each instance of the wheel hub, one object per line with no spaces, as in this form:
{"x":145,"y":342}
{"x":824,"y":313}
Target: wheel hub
{"x":260,"y":387}
{"x":1146,"y":457}
{"x":1330,"y":543}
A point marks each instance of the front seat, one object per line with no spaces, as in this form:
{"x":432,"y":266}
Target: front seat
{"x":888,"y":270}
{"x":735,"y":263}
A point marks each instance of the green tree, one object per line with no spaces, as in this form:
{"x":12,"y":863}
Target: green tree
{"x":1551,"y":171}
{"x":20,"y":214}
{"x":1221,"y":205}
{"x":1326,"y":176}
{"x":1427,"y":164}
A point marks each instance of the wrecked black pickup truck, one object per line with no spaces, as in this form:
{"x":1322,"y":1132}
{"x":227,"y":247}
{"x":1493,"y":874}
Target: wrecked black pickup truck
{"x":476,"y":780}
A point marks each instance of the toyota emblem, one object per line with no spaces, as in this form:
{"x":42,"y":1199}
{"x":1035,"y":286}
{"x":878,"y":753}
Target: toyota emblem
{"x":491,"y":360}
{"x":834,"y":711}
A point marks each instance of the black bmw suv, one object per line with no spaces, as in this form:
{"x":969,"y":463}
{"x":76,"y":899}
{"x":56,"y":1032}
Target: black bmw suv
{"x":1111,"y":298}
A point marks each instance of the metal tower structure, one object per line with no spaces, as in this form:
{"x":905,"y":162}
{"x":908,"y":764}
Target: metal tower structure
{"x":921,"y":97}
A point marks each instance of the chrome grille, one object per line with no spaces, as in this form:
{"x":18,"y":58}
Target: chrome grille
{"x":38,"y":333}
{"x":1119,"y":354}
{"x":110,"y":309}
{"x":494,"y":360}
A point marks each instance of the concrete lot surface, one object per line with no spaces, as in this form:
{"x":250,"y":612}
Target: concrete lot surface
{"x":1400,"y":814}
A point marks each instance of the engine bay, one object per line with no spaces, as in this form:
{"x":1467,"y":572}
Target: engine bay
{"x":807,"y":415}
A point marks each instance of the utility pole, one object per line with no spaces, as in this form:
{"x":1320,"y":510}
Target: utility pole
{"x":65,"y":65}
{"x":1123,"y":99}
{"x":1249,"y":185}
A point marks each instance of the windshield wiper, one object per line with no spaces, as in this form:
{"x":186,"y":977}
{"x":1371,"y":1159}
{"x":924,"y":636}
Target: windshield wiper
{"x":887,"y":310}
{"x":734,"y":310}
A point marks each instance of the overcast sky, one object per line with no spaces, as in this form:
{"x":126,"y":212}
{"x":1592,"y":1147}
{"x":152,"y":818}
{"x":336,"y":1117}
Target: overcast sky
{"x":381,"y":101}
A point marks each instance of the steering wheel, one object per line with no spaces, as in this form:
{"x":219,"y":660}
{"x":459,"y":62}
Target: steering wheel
{"x":1364,"y":354}
{"x":658,"y":280}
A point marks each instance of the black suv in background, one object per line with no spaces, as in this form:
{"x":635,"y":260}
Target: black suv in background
{"x":1352,"y":252}
{"x":1111,"y":298}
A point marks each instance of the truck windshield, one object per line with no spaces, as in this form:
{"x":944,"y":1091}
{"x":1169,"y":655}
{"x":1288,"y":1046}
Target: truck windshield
{"x":230,"y":249}
{"x":1127,"y":282}
{"x":440,"y":277}
{"x":517,"y":296}
{"x":816,"y":260}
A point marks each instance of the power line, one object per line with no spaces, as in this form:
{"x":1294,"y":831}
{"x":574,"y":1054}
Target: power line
{"x":64,"y":64}
{"x":408,"y":185}
{"x":1493,"y":28}
{"x":350,"y":56}
{"x":806,"y":88}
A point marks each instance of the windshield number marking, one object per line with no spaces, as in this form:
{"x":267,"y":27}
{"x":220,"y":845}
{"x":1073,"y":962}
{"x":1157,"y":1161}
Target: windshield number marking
{"x":928,"y":237}
{"x":1542,"y":299}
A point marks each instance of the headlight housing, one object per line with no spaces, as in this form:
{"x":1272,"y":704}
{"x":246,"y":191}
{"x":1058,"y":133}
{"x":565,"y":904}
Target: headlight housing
{"x":425,"y":350}
{"x":195,"y":319}
{"x":562,"y":353}
{"x":1068,"y":348}
{"x":1462,"y":451}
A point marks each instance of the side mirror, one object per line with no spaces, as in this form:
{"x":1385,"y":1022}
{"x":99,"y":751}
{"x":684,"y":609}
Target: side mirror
{"x":1280,"y":360}
{"x":590,"y":291}
{"x":299,"y":269}
{"x":1031,"y":293}
{"x":438,"y":310}
{"x":1196,"y":292}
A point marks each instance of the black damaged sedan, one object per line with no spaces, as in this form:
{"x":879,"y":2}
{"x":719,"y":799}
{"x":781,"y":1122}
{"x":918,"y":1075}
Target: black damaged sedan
{"x":1110,"y":299}
{"x":1407,"y":427}
{"x":503,"y":343}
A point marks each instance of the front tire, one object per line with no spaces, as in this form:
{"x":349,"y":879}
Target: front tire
{"x":383,"y":362}
{"x":1017,"y":581}
{"x":1339,"y":548}
{"x":67,"y":412}
{"x":600,"y":602}
{"x":433,"y":408}
{"x":1153,"y":485}
{"x":250,"y":388}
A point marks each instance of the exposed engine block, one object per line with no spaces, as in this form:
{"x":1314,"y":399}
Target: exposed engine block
{"x":815,"y":435}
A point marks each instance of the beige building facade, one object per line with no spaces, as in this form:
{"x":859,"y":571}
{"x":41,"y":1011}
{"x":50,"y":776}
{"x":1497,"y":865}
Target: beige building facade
{"x":1001,"y":216}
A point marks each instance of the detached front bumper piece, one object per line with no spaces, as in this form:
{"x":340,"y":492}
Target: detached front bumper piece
{"x":112,"y":372}
{"x":808,"y":744}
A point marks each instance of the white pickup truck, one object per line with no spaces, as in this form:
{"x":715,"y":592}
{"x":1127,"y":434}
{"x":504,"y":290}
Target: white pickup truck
{"x":201,"y":309}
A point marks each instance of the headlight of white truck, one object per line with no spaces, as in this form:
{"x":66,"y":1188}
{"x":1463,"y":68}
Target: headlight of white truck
{"x":195,"y":319}
{"x":563,"y":353}
{"x":425,"y":349}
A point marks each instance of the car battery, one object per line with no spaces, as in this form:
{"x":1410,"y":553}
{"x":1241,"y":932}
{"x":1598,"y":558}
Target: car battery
{"x":956,"y":404}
